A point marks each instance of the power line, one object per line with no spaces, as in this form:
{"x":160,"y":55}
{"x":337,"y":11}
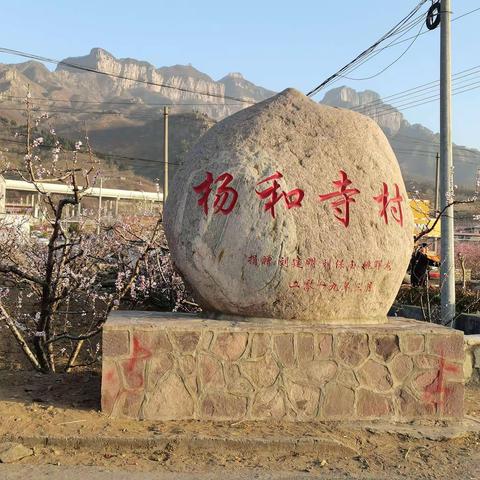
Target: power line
{"x":384,"y":108}
{"x":415,"y":37}
{"x":465,"y":14}
{"x":95,"y":153}
{"x":91,"y":112}
{"x":390,"y":64}
{"x":356,"y":65}
{"x":99,"y":112}
{"x":405,"y":102}
{"x":32,"y":56}
{"x":131,"y":104}
{"x":71,"y":111}
{"x":430,"y":156}
{"x":369,"y":52}
{"x":419,"y":102}
{"x":458,"y":17}
{"x":405,"y":93}
{"x":434,"y":143}
{"x":424,"y":87}
{"x":349,"y":66}
{"x":390,"y":109}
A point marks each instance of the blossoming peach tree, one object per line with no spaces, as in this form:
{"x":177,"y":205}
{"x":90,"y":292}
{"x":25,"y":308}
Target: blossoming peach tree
{"x":56,"y":292}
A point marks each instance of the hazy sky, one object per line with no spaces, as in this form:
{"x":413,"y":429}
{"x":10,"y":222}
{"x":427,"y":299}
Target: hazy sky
{"x":274,"y":44}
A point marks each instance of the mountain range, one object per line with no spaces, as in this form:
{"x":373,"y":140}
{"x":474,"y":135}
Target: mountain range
{"x":125,"y":117}
{"x":415,"y":146}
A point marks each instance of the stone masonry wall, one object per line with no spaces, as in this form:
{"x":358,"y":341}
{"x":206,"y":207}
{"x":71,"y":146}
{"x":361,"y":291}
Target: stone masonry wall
{"x":163,"y":367}
{"x":471,"y":368}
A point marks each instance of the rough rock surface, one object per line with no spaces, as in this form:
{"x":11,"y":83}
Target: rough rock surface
{"x":297,"y":246}
{"x":369,"y":103}
{"x":12,"y":452}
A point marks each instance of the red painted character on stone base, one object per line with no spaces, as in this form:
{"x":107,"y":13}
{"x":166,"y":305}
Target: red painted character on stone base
{"x":341,"y":206}
{"x":437,"y":393}
{"x":225,"y":197}
{"x":293,"y":198}
{"x":139,"y":354}
{"x":394,"y":204}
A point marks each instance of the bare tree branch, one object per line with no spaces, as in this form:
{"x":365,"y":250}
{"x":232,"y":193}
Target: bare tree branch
{"x":17,"y":271}
{"x":19,"y":337}
{"x":439,"y":216}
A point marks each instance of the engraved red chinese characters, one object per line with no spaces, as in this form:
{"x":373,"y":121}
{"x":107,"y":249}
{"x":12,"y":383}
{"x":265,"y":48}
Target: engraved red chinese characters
{"x":341,"y":206}
{"x":394,"y":205}
{"x":293,"y":198}
{"x":225,"y":196}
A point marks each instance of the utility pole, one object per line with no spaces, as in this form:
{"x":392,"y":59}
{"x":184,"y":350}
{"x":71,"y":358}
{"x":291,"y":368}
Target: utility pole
{"x":99,"y":213}
{"x":165,"y":154}
{"x":437,"y":193}
{"x":437,"y":182}
{"x":477,"y":182}
{"x":27,"y":149}
{"x":447,"y":266}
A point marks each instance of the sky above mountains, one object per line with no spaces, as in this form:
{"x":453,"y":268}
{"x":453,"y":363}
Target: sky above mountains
{"x":274,"y":44}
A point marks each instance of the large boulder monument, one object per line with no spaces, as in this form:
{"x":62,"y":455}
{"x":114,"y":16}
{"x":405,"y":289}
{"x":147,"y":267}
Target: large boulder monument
{"x":290,"y":222}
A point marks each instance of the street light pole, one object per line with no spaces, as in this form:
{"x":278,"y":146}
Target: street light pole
{"x":447,"y":267}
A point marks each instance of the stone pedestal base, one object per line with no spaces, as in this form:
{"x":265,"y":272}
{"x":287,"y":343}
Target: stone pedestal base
{"x":160,"y":366}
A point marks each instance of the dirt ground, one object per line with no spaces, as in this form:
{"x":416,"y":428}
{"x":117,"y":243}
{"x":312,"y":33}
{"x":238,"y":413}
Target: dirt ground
{"x":33,"y":405}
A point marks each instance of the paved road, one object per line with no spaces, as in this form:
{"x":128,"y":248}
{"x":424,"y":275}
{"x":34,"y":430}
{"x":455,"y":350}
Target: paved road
{"x":53,"y":472}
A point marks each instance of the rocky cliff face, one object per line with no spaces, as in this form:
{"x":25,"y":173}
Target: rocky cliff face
{"x":368,"y":103}
{"x":237,"y":86}
{"x":179,"y":76}
{"x":70,"y":84}
{"x":415,"y":145}
{"x":182,"y":76}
